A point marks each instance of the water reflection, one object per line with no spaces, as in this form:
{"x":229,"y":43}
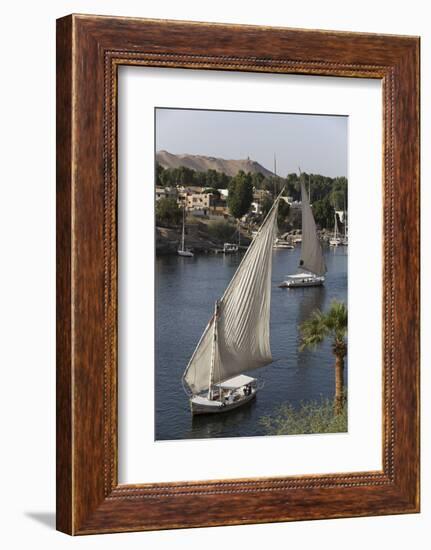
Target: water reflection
{"x":215,"y":425}
{"x":186,"y":289}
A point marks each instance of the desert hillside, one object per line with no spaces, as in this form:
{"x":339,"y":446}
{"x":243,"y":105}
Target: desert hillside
{"x":201,"y":163}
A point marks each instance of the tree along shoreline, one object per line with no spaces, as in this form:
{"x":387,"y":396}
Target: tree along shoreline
{"x":327,"y":194}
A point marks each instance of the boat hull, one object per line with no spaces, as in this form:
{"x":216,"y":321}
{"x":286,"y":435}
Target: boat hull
{"x":218,"y":407}
{"x":302,"y":282}
{"x":229,"y":248}
{"x":185,"y":253}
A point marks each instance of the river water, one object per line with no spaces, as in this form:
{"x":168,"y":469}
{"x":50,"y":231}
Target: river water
{"x":186,"y":289}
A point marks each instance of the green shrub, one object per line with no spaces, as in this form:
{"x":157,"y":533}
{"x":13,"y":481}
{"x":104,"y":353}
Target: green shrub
{"x":168,"y":211}
{"x":313,"y":417}
{"x":221,"y":230}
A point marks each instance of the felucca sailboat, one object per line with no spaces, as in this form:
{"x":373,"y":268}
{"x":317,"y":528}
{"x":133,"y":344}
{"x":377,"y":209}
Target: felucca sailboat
{"x":236,"y":339}
{"x":335,"y":240}
{"x":183,"y":251}
{"x":312,"y":268}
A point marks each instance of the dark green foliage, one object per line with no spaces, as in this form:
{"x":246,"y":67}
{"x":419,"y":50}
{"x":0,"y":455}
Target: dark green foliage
{"x":320,"y":187}
{"x":266,"y":205}
{"x":339,"y":194}
{"x":212,"y":178}
{"x":159,"y":174}
{"x":293,"y":187}
{"x":311,"y":418}
{"x":323,"y":213}
{"x":168,"y":211}
{"x":283,"y":212}
{"x":240,"y":194}
{"x":326,"y":194}
{"x":170,"y":177}
{"x":221,"y":230}
{"x":257,"y":180}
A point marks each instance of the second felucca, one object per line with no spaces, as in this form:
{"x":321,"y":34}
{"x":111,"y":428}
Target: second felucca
{"x":312,"y":268}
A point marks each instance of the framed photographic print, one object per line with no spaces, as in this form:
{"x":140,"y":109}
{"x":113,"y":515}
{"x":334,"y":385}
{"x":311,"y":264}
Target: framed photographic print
{"x":237,"y":274}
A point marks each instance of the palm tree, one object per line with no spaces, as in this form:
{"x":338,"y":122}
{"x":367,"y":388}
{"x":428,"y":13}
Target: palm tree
{"x":332,"y":324}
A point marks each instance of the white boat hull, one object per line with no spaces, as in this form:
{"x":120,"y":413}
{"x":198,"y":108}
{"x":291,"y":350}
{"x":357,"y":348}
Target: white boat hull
{"x":302,"y":281}
{"x":283,"y":247}
{"x":185,"y":253}
{"x":280,"y":244}
{"x":214,"y":407}
{"x":228,"y":395}
{"x":229,"y":248}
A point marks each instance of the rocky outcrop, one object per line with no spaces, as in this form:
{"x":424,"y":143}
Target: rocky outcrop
{"x":168,"y":240}
{"x":198,"y":240}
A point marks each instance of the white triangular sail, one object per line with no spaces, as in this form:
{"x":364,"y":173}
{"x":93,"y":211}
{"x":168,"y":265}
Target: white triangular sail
{"x":335,"y":226}
{"x":242,"y":336}
{"x":311,"y":249}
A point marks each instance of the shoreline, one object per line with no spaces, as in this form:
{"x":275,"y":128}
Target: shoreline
{"x":168,"y":240}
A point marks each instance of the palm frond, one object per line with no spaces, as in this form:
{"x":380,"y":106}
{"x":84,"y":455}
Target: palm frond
{"x":336,"y":319}
{"x":313,"y":331}
{"x":321,"y":325}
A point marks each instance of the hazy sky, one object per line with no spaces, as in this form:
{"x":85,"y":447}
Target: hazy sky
{"x":316,"y":143}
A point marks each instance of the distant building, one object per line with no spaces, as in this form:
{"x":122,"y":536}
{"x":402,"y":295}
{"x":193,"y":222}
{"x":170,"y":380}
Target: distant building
{"x":201,"y":203}
{"x":166,"y":193}
{"x":219,"y":211}
{"x":198,"y":201}
{"x":191,"y":189}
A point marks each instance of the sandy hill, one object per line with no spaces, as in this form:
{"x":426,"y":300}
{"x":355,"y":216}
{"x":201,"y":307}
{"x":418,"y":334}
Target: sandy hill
{"x":202,"y":164}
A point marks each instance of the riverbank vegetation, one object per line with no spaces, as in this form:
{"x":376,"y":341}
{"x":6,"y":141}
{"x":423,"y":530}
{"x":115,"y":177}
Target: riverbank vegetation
{"x":222,"y":231}
{"x":312,"y":417}
{"x":326,"y":415}
{"x":168,"y":212}
{"x":320,"y":187}
{"x":249,"y":198}
{"x":240,"y":195}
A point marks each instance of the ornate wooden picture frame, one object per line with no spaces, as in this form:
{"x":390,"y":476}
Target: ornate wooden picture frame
{"x":89,"y":51}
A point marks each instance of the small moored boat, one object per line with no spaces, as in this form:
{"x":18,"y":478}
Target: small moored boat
{"x":230,"y":248}
{"x":280,"y":244}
